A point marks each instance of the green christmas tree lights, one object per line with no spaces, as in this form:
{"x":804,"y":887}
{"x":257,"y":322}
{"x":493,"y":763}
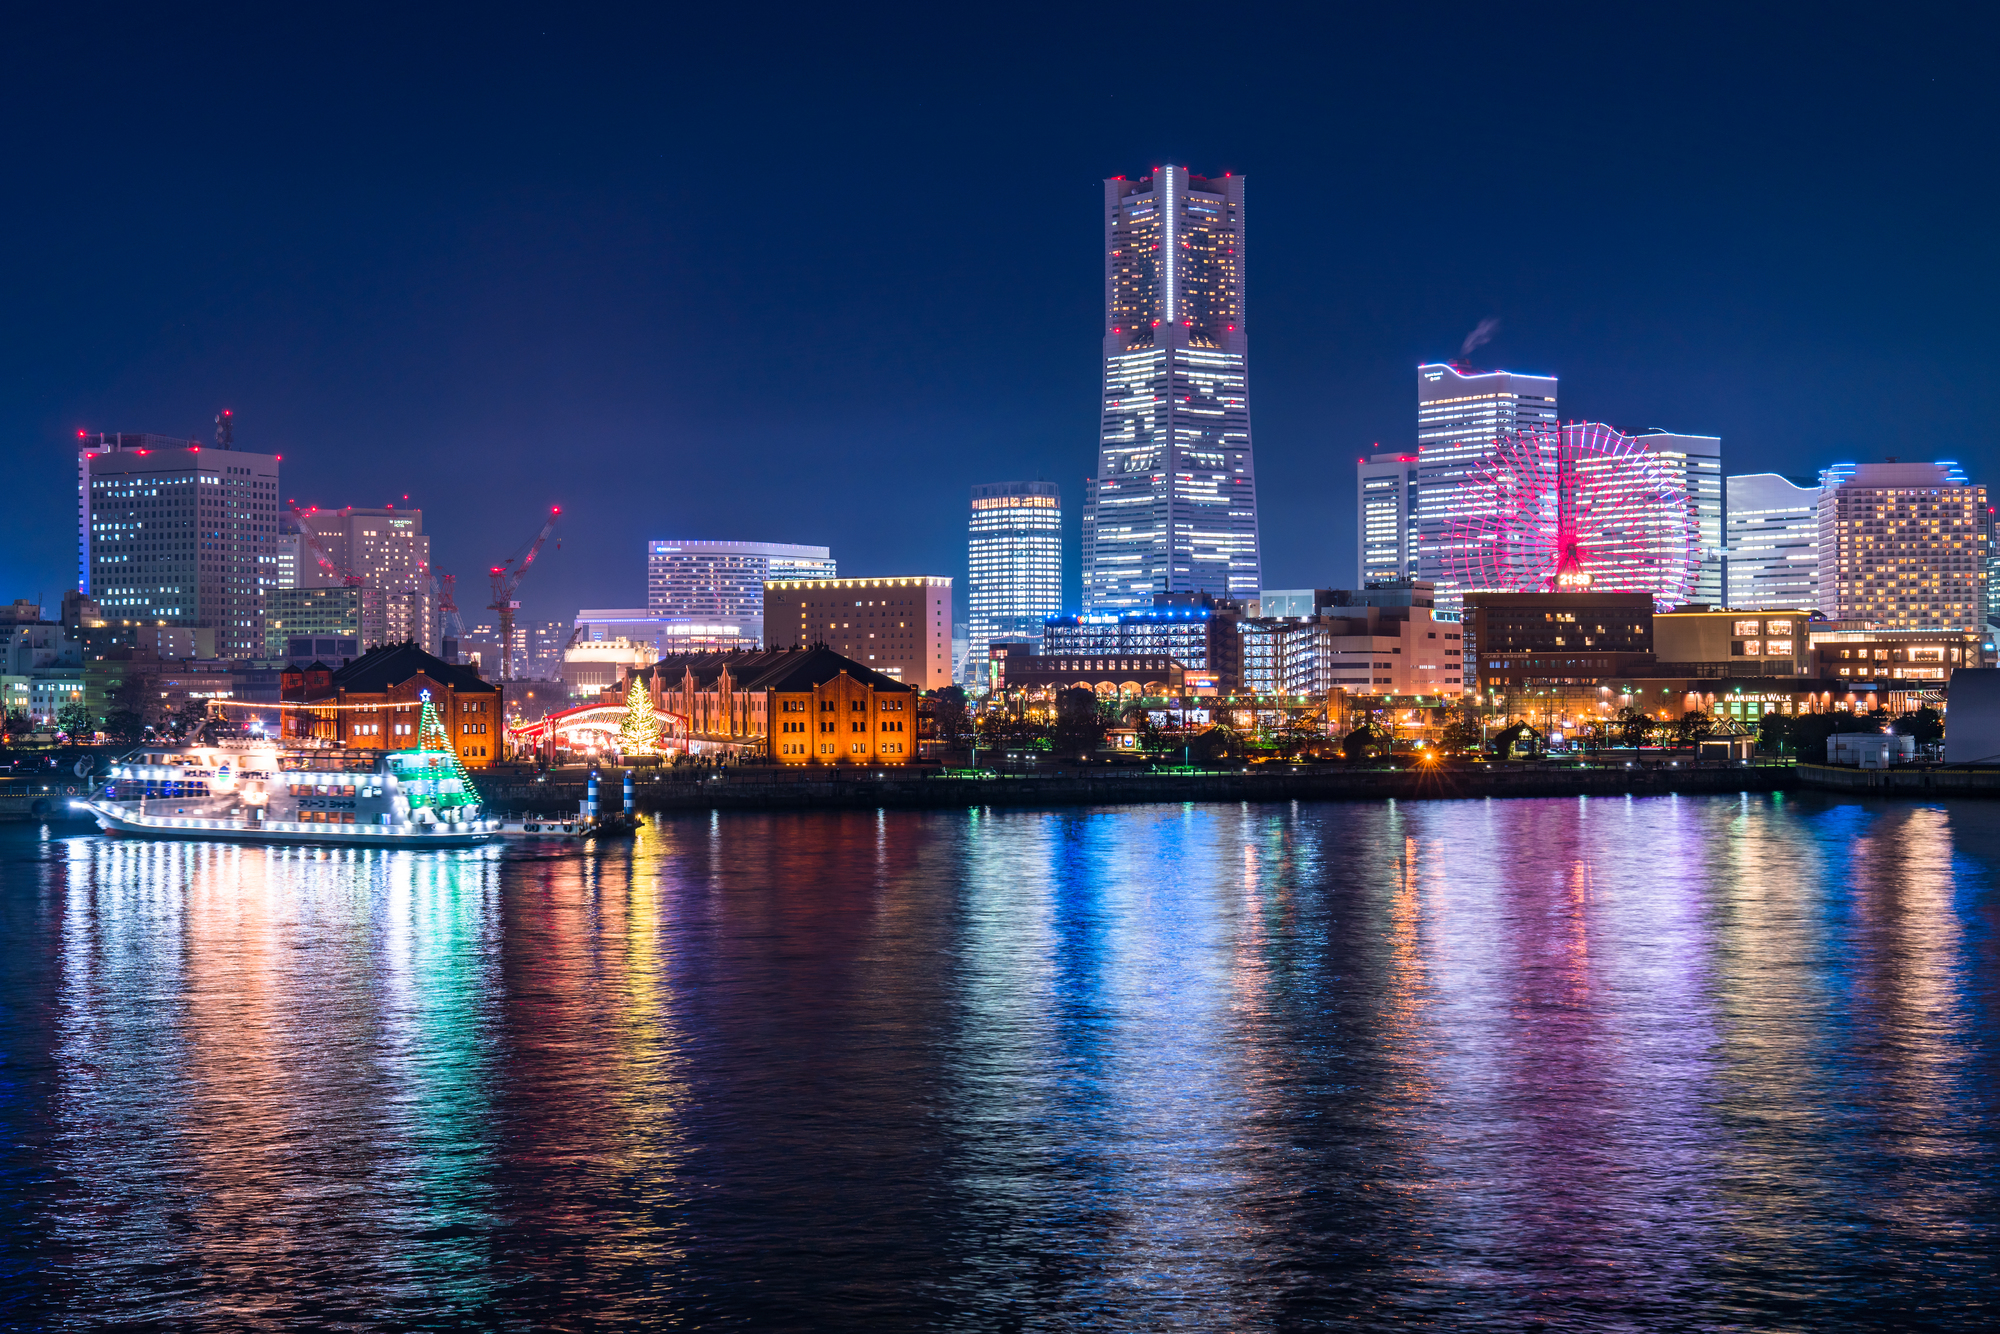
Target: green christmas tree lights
{"x":433,"y":776}
{"x":639,"y":734}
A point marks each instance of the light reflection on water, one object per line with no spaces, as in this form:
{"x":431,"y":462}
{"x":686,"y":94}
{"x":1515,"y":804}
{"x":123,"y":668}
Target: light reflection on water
{"x":1612,"y":1063}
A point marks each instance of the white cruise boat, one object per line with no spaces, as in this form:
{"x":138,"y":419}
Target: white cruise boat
{"x":255,"y":792}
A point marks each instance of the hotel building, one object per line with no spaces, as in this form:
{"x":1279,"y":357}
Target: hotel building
{"x":898,"y":627}
{"x":1903,"y":545}
{"x":385,"y":549}
{"x":1460,"y":414}
{"x":716,"y":584}
{"x":1771,"y":532}
{"x":1014,"y":561}
{"x":1386,"y":526}
{"x":179,"y":534}
{"x":1172,"y":507}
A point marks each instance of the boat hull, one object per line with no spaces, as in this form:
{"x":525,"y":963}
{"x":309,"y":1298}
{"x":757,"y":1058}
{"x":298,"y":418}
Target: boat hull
{"x":116,"y":820}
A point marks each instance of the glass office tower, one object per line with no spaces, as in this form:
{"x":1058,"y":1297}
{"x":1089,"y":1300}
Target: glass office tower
{"x":1173,"y":505}
{"x":1014,"y":562}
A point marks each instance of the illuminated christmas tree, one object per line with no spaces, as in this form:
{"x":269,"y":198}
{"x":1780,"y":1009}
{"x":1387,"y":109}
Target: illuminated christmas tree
{"x":640,"y":732}
{"x":434,"y":776}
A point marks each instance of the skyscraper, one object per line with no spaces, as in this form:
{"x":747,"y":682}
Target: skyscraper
{"x":1697,"y":461}
{"x":387,"y":551}
{"x":721,"y":584}
{"x":1013,"y":562}
{"x":1904,"y":545}
{"x":175,"y":534}
{"x":1772,"y":535}
{"x":1386,"y":527}
{"x":1173,"y":505}
{"x":1461,"y":413}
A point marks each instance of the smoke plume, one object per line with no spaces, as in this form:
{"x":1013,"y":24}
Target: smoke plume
{"x":1478,"y":337}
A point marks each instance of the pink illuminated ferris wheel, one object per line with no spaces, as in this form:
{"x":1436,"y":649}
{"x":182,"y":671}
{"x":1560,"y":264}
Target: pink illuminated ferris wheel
{"x":1579,"y":507}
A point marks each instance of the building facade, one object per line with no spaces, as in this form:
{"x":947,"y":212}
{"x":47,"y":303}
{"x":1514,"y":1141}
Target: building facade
{"x":800,"y":706}
{"x":1013,"y":561}
{"x":1014,"y":666}
{"x":1364,"y":650}
{"x":88,"y":447}
{"x":1197,"y":632}
{"x":1530,"y":640}
{"x":1461,"y":413}
{"x":1696,"y":461}
{"x":668,"y":635}
{"x":1903,"y":545}
{"x":1886,"y":660}
{"x":322,"y":612}
{"x":1385,"y":488}
{"x":1768,"y":642}
{"x":387,"y":552}
{"x":1771,"y":534}
{"x":900,"y":627}
{"x":717,"y":584}
{"x":182,"y":535}
{"x":1172,"y":507}
{"x":376,"y":702}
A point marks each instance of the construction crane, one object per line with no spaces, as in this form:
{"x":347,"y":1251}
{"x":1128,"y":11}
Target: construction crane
{"x":506,"y":578}
{"x":448,"y":617}
{"x":348,"y":579}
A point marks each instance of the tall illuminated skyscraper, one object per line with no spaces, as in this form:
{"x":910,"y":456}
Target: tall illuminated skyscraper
{"x":1014,"y":560}
{"x":178,"y":535}
{"x":1460,"y":415}
{"x":1173,"y":505}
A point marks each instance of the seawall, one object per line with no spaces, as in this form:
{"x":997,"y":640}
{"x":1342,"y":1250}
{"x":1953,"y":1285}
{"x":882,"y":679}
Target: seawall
{"x":1912,"y":780}
{"x":816,"y":792}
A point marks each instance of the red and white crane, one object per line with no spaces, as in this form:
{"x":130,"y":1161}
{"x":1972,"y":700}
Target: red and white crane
{"x":348,"y":578}
{"x":506,"y":578}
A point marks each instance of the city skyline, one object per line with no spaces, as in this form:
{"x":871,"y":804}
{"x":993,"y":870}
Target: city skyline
{"x":430,"y":318}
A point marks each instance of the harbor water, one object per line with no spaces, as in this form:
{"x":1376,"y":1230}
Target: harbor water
{"x":1571,"y":1063}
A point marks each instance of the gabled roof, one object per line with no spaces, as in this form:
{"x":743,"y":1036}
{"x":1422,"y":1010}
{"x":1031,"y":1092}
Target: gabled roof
{"x":380,"y":670}
{"x":788,"y":669}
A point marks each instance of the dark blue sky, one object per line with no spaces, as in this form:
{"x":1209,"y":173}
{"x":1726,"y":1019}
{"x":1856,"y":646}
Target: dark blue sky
{"x":805,"y":275}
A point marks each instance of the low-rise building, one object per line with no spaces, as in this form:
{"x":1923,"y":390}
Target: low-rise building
{"x":1862,"y":652}
{"x":668,"y":634}
{"x":802,"y":706}
{"x":1544,"y":640}
{"x":1705,"y":641}
{"x":595,"y":665}
{"x":1014,"y":665}
{"x":1193,"y":629}
{"x":310,"y":613}
{"x":1383,"y":640}
{"x":376,"y":702}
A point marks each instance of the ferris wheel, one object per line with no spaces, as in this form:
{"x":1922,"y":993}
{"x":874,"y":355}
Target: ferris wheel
{"x":1579,"y":507}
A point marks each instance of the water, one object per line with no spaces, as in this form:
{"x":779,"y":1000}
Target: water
{"x":1611,"y":1064}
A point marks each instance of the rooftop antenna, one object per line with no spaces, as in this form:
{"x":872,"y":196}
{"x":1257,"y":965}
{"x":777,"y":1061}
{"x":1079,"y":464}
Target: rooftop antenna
{"x":225,"y":430}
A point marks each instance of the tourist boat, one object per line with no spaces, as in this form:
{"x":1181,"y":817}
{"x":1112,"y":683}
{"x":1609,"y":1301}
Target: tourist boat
{"x":254,"y":792}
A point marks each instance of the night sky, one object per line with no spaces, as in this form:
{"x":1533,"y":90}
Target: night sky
{"x":806,"y":275}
